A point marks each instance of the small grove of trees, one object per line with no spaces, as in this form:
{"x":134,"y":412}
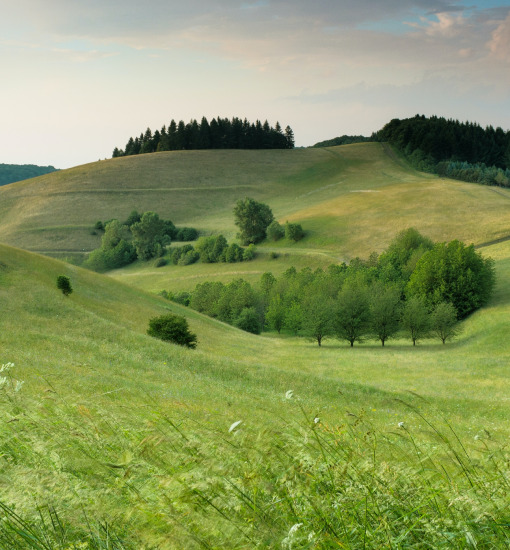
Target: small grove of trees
{"x":212,"y":249}
{"x":415,"y":287}
{"x":142,"y":236}
{"x":219,"y":133}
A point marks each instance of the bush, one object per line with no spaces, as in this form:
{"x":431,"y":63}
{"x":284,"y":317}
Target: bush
{"x":234,"y":253}
{"x":99,"y":226}
{"x":248,"y":320}
{"x":249,"y":253}
{"x":186,"y":234}
{"x":182,"y":298}
{"x":177,"y":253}
{"x":160,"y":262}
{"x":275,"y":231}
{"x":294,"y":231}
{"x":64,"y":284}
{"x":172,"y":328}
{"x":189,"y":258}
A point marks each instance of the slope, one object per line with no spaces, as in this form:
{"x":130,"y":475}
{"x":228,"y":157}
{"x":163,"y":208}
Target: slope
{"x":350,"y":199}
{"x":114,"y":428}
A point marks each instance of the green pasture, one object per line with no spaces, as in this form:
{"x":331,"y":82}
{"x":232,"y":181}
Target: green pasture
{"x":350,"y":199}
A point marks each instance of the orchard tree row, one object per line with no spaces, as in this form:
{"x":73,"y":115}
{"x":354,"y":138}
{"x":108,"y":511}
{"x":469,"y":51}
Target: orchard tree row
{"x":415,"y":286}
{"x":220,"y":133}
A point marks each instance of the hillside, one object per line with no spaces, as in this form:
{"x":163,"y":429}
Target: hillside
{"x":350,"y":199}
{"x":113,"y":428}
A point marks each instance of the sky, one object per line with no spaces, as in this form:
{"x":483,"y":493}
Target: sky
{"x":79,"y":77}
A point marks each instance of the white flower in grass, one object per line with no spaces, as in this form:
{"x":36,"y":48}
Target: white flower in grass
{"x":289,"y":394}
{"x":294,"y":528}
{"x":234,"y":426}
{"x":19,"y":385}
{"x":316,"y":420}
{"x":401,"y":425}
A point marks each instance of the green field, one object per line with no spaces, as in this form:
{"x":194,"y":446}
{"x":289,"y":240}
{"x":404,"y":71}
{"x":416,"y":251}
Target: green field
{"x":118,"y":440}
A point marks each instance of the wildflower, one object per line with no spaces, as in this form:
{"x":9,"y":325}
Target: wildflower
{"x":3,"y":381}
{"x":19,"y":384}
{"x":294,"y":528}
{"x":234,"y":426}
{"x":401,"y":425}
{"x":289,"y":394}
{"x":316,"y":420}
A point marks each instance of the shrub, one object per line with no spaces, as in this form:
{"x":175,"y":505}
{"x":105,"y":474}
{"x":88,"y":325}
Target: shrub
{"x":294,"y":231}
{"x":234,"y":253}
{"x":99,"y":226}
{"x":172,"y":328}
{"x":160,"y":262}
{"x":64,"y":284}
{"x":275,"y":231}
{"x":273,"y":255}
{"x":189,"y":258}
{"x":182,"y":298}
{"x":248,"y":320}
{"x":249,"y":253}
{"x":186,"y":234}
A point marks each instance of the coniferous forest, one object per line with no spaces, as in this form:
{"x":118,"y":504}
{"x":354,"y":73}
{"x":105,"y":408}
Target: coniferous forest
{"x":219,"y":133}
{"x":459,"y":150}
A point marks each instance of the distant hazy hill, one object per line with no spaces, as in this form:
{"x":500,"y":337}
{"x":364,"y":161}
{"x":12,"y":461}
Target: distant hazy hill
{"x":10,"y":173}
{"x":342,"y":140}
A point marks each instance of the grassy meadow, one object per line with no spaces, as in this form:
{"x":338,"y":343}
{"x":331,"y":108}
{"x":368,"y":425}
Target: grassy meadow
{"x":111,"y":439}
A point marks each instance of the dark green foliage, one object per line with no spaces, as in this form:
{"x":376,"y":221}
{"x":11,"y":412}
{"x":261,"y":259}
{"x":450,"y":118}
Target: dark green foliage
{"x":115,"y":250}
{"x":211,"y":248}
{"x":252,"y":218}
{"x":453,"y":273}
{"x":220,"y":133}
{"x":150,"y":236}
{"x":233,"y":253}
{"x":249,"y":253}
{"x":160,"y":262}
{"x":190,"y":257}
{"x":352,"y":312}
{"x":385,"y":309}
{"x":342,"y":140}
{"x":443,"y":321}
{"x":99,"y":226}
{"x":415,"y":318}
{"x":64,"y":284}
{"x":182,"y":298}
{"x":248,"y":320}
{"x":275,"y":313}
{"x":398,"y":262}
{"x":9,"y":173}
{"x":294,"y":232}
{"x":179,"y":251}
{"x":318,"y":314}
{"x":172,"y":328}
{"x":460,"y":150}
{"x":275,"y":231}
{"x":186,"y":234}
{"x":133,"y":218}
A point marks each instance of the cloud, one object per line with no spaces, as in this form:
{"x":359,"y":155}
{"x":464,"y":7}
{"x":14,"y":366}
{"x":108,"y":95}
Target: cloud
{"x":499,"y":45}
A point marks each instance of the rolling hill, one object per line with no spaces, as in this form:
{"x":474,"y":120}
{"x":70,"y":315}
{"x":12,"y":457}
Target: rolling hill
{"x":112,"y":439}
{"x":351,"y":199}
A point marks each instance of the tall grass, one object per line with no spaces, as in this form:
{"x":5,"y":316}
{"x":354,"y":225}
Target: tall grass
{"x":96,"y":482}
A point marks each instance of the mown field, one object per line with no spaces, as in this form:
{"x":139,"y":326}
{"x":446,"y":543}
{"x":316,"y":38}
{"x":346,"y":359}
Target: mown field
{"x":112,"y":439}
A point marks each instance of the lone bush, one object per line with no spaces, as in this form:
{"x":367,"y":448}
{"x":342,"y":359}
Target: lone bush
{"x":172,"y":328}
{"x":294,"y":231}
{"x":64,"y":284}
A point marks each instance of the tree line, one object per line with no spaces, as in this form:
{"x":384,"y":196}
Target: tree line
{"x":416,"y":286}
{"x":9,"y":173}
{"x":461,"y":150}
{"x":219,"y":133}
